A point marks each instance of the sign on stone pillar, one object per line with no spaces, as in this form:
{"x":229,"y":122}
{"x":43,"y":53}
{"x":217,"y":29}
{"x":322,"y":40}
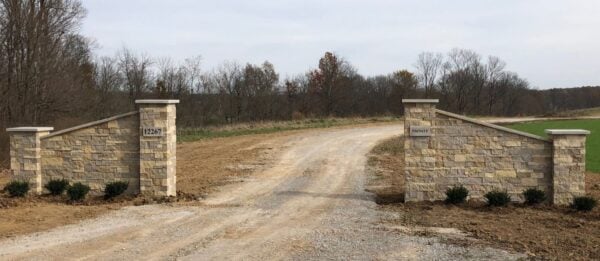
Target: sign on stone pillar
{"x":25,"y":155}
{"x":420,"y":131}
{"x":419,"y":115}
{"x":158,"y":145}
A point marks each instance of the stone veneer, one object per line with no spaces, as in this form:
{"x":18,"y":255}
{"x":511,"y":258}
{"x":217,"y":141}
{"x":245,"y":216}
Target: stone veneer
{"x":158,"y":154}
{"x":99,"y":152}
{"x":105,"y":152}
{"x":484,"y":157}
{"x":569,"y":164}
{"x":26,"y":155}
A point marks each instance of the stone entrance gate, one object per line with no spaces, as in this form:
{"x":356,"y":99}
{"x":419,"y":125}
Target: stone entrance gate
{"x":138,"y":147}
{"x":443,"y":149}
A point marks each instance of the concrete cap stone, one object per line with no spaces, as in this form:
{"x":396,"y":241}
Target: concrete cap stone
{"x":567,"y":132}
{"x":156,"y":101}
{"x":420,"y":101}
{"x":29,"y":129}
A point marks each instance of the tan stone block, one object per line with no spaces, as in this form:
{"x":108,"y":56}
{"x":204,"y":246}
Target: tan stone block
{"x":512,"y":143}
{"x":563,"y":159}
{"x":506,"y":173}
{"x":421,"y":187}
{"x":31,"y":166}
{"x":55,"y":161}
{"x":460,"y":158}
{"x":529,"y":182}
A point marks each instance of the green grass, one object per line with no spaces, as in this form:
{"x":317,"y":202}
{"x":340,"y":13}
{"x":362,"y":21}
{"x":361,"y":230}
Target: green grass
{"x":194,"y":134}
{"x":593,"y":140}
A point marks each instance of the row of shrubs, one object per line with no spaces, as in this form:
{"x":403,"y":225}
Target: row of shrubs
{"x":533,"y":196}
{"x":75,"y":192}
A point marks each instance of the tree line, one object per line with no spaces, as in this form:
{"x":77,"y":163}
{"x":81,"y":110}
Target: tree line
{"x":49,"y":75}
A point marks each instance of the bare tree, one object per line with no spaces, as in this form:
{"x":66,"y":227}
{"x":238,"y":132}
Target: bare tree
{"x":192,"y":69}
{"x":108,"y":83}
{"x":36,"y":37}
{"x":260,"y":83}
{"x":495,"y":68}
{"x":428,"y":66}
{"x":136,"y":70}
{"x":228,"y":80}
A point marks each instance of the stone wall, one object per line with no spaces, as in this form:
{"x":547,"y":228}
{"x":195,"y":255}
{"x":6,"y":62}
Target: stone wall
{"x":138,"y":147}
{"x":105,"y":152}
{"x":482,"y":157}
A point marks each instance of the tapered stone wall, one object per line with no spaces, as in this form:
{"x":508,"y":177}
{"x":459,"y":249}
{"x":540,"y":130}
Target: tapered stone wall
{"x":443,"y":149}
{"x":106,"y":151}
{"x":138,"y":147}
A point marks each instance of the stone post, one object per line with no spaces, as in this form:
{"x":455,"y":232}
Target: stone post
{"x":158,"y":142}
{"x":418,"y":116}
{"x":26,"y":155}
{"x":568,"y":158}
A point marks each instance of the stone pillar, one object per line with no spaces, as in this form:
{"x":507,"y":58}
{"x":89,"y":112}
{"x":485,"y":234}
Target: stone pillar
{"x":568,"y":159}
{"x":158,"y":144}
{"x":26,"y":155}
{"x":419,"y":157}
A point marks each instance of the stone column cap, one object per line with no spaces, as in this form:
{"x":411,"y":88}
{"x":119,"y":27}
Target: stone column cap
{"x":567,"y":132}
{"x":29,"y":129}
{"x":420,"y":100}
{"x":150,"y":101}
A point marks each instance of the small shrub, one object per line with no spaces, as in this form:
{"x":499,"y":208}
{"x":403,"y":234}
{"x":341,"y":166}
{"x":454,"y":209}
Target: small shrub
{"x":534,"y":196}
{"x":584,"y":203}
{"x":17,"y":188}
{"x":114,"y":189}
{"x":497,"y":198}
{"x":57,"y":186}
{"x":77,"y":191}
{"x":456,"y":194}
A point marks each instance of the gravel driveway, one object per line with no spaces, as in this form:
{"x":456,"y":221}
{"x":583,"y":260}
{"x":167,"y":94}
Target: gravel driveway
{"x":311,"y":204}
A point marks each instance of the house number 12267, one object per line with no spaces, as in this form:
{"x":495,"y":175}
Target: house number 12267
{"x":152,"y":132}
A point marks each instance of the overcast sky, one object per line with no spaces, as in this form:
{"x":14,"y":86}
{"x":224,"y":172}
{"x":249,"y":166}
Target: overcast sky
{"x":552,"y":43}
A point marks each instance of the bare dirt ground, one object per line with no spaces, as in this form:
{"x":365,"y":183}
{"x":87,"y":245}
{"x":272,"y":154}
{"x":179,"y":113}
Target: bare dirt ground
{"x":543,"y":232}
{"x":307,"y":201}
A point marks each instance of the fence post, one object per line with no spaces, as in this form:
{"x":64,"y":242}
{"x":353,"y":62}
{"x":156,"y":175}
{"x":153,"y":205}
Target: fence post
{"x":568,"y":158}
{"x":158,"y":142}
{"x":26,"y":155}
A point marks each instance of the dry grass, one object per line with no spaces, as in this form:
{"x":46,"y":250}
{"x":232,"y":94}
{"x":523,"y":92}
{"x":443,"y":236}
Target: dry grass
{"x":578,"y":113}
{"x":386,"y":165}
{"x":238,"y":129}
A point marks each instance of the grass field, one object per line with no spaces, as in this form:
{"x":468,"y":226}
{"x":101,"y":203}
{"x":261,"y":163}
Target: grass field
{"x":593,"y":140}
{"x":193,"y":134}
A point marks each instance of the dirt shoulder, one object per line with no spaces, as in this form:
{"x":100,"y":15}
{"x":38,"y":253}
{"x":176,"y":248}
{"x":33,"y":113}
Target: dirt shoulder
{"x":204,"y":166}
{"x":542,"y":232}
